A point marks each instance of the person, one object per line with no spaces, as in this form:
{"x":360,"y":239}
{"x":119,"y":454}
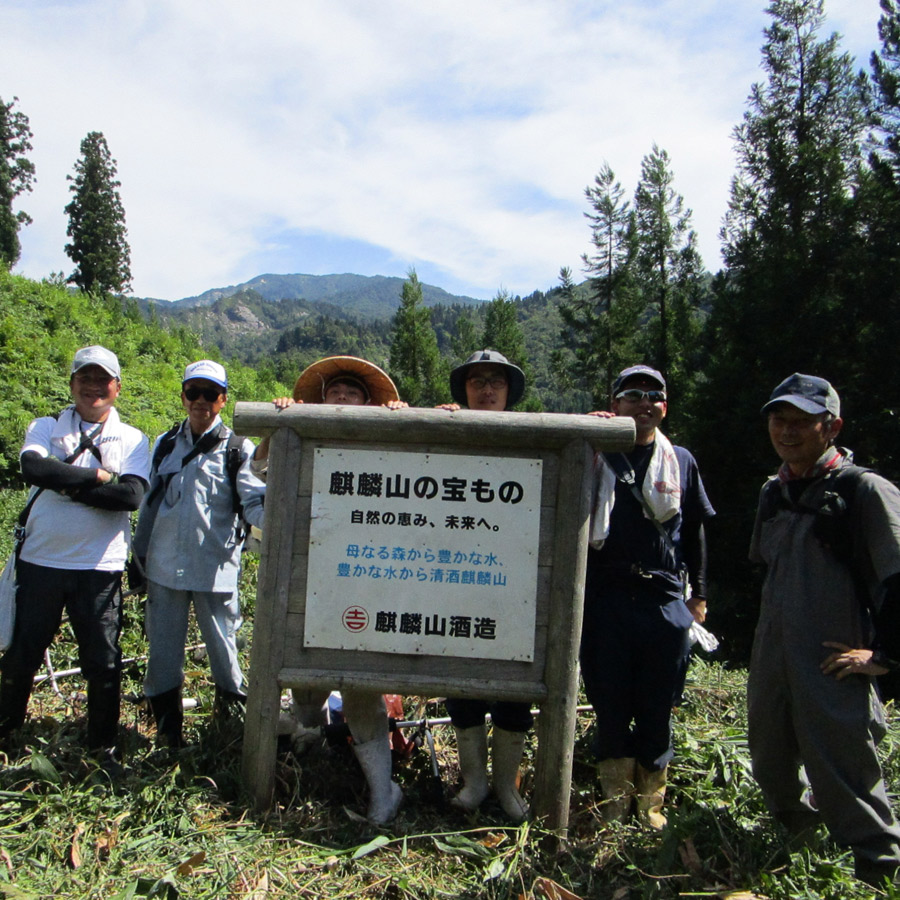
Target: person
{"x":811,"y":701}
{"x":645,"y":585}
{"x":88,"y":471}
{"x":189,"y":538}
{"x":349,"y":381}
{"x":488,"y":381}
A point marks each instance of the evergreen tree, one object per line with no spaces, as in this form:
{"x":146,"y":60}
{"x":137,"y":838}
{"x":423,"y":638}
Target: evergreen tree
{"x":99,"y":246}
{"x":871,"y":276}
{"x":668,"y":270}
{"x":464,"y":342}
{"x":789,"y":235}
{"x":600,"y":323}
{"x":422,"y":377}
{"x":503,"y":332}
{"x":16,"y":176}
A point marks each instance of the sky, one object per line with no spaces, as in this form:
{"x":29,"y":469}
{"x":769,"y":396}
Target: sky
{"x":455,"y":137}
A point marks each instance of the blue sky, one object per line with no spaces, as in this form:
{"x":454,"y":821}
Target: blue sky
{"x":454,"y":136}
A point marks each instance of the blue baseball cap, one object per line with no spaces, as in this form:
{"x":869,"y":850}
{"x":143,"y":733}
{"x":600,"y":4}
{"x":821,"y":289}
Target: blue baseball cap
{"x":635,"y":372}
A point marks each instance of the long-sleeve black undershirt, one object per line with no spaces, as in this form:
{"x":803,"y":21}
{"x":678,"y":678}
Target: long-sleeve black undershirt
{"x":81,"y":485}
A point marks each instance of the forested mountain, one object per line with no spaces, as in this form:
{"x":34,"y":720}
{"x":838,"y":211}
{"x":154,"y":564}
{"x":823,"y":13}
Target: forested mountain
{"x":362,"y":296}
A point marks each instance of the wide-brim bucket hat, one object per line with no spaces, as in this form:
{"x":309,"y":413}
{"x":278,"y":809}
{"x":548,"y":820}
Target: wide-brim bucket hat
{"x":313,"y":381}
{"x":514,"y":375}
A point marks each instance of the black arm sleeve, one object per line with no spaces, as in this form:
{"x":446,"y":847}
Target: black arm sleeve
{"x":126,"y":494}
{"x":50,"y":472}
{"x":887,"y":620}
{"x":693,"y":549}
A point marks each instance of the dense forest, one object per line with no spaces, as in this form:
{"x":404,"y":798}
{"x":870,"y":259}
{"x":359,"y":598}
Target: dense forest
{"x":811,"y":283}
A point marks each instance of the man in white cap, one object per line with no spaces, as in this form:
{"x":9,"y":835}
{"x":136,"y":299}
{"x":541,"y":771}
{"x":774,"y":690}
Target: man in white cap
{"x":828,"y":533}
{"x":88,"y":472}
{"x":189,"y":538}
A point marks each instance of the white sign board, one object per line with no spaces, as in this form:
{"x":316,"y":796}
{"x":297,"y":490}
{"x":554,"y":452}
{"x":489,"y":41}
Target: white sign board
{"x":426,"y":553}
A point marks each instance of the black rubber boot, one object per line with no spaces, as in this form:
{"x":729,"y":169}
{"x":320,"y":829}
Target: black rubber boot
{"x":104,"y":697}
{"x":15,"y":689}
{"x":168,"y":712}
{"x":228,"y":704}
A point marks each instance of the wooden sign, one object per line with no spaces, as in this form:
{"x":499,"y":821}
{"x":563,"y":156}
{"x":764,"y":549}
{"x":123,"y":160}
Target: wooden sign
{"x":426,"y":552}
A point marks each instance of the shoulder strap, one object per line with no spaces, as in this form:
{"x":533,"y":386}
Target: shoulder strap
{"x":625,"y":473}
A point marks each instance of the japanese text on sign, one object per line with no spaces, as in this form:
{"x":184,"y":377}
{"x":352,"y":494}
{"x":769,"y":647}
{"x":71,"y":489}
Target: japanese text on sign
{"x":423,"y":553}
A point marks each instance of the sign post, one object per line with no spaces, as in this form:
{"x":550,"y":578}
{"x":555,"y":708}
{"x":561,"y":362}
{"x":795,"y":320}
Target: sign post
{"x":425,"y":552}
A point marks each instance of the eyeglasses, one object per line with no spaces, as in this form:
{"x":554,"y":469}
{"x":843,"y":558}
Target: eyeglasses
{"x":634,"y":395}
{"x":210,"y":395}
{"x":497,"y":382}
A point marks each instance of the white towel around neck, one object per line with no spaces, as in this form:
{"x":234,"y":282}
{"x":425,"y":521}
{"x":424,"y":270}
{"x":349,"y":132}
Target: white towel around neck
{"x":661,"y":489}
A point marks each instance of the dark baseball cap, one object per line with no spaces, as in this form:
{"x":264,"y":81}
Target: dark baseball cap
{"x":807,"y":392}
{"x":637,"y":372}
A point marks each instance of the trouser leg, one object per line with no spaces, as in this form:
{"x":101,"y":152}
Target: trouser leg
{"x":606,"y":669}
{"x":662,"y":647}
{"x":165,"y":624}
{"x":219,"y":618}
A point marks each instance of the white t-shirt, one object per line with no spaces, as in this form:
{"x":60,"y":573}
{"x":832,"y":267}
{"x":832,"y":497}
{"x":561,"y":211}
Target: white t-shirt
{"x":64,"y":534}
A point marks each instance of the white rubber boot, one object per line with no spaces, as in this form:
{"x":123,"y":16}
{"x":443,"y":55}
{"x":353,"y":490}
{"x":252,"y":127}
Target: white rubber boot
{"x":385,"y":795}
{"x":507,"y":748}
{"x":471,"y":747}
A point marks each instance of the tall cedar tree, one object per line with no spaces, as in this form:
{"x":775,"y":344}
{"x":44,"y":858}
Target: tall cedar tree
{"x":669,"y":274}
{"x":600,"y":323}
{"x":503,"y":332}
{"x":99,"y":245}
{"x":422,"y":377}
{"x":16,"y":176}
{"x":871,"y":280}
{"x":778,"y":308}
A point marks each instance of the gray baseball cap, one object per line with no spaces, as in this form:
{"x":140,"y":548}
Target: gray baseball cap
{"x":97,"y":356}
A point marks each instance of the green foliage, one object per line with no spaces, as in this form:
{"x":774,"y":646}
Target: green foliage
{"x":99,"y":246}
{"x":16,"y":176}
{"x":421,"y":376}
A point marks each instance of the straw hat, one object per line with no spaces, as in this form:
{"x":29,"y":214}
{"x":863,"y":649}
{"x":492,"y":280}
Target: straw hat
{"x":314,"y":379}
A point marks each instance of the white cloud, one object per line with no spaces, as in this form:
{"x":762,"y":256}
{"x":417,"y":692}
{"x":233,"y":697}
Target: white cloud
{"x":457,"y":135}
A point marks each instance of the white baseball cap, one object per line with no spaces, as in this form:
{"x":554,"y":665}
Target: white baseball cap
{"x":206,"y":368}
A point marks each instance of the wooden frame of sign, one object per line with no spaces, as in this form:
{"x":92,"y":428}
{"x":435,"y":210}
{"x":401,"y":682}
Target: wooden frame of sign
{"x":565,"y":444}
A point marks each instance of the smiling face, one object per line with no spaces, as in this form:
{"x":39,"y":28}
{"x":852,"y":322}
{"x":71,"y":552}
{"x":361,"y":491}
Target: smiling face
{"x":647,"y":414}
{"x":94,"y":392}
{"x":487,"y":387}
{"x":203,"y":401}
{"x":799,"y":437}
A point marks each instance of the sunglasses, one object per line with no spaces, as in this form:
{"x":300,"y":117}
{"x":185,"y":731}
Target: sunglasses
{"x":210,"y":395}
{"x":635,"y":396}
